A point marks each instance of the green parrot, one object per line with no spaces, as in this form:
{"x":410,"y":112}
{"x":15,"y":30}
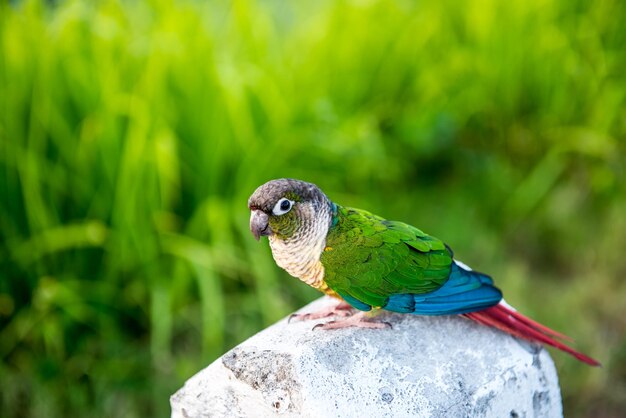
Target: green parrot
{"x":371,"y":264}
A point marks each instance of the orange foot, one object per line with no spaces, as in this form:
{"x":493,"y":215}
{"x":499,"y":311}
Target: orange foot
{"x":357,"y":320}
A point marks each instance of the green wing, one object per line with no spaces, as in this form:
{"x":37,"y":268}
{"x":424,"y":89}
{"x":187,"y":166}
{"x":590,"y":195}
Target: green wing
{"x":369,"y":258}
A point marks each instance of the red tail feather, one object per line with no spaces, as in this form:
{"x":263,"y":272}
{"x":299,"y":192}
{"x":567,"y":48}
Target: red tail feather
{"x":514,"y":323}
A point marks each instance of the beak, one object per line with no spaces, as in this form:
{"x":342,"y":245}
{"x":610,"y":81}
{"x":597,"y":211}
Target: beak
{"x":259,"y":224}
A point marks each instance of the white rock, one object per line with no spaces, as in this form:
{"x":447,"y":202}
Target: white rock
{"x":423,"y":367}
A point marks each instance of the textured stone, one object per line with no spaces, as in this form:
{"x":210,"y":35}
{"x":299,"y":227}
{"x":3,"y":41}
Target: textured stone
{"x":424,"y":366}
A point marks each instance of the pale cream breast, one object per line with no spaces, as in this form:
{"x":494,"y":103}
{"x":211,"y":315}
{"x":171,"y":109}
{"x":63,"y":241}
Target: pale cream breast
{"x":300,"y":254}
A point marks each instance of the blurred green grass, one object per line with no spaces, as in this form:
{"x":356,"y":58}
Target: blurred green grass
{"x":132,"y":133}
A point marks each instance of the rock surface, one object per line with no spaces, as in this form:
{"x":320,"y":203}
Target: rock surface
{"x":423,"y":367}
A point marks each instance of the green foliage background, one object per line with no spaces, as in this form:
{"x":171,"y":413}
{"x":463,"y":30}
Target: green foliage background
{"x":132,"y":134}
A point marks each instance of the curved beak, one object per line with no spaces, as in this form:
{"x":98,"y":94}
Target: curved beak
{"x":259,"y":224}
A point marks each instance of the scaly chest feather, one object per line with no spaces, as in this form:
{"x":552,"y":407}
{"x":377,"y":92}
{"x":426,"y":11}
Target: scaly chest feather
{"x":301,"y":261}
{"x":300,"y":254}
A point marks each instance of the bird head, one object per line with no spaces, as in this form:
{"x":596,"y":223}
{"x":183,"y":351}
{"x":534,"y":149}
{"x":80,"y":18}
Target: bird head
{"x":288,"y":208}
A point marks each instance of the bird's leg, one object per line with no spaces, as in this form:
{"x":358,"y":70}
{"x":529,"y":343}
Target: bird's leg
{"x":357,"y":320}
{"x":341,"y":309}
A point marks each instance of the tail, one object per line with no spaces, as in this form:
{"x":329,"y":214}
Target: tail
{"x":505,"y":318}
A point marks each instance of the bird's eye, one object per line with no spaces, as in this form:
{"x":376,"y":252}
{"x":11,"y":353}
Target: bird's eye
{"x":282,"y":206}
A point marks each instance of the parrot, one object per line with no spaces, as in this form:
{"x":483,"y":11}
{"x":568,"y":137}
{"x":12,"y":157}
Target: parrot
{"x":371,"y":264}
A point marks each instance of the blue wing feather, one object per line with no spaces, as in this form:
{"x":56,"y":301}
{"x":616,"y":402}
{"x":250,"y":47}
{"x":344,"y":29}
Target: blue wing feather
{"x":464,"y":291}
{"x":354,"y":302}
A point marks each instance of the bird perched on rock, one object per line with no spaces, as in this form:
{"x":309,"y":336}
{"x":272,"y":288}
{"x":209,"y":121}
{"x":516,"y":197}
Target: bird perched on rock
{"x":371,"y":263}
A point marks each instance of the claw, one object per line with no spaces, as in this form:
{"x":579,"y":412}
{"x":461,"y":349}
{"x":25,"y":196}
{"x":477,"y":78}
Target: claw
{"x":342,"y":309}
{"x":357,"y":320}
{"x":319,"y":326}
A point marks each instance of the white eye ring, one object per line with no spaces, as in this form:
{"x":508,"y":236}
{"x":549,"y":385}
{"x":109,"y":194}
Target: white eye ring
{"x":283,"y":206}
